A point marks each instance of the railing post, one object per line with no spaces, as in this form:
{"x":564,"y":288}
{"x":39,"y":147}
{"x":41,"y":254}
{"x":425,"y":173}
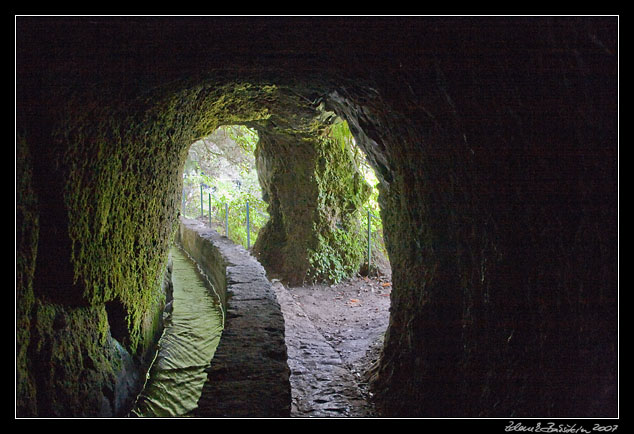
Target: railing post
{"x":369,"y":239}
{"x":202,"y":209}
{"x":248,"y":228}
{"x":209,"y":209}
{"x":226,"y":220}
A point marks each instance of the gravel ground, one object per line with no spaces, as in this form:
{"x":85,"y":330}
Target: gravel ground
{"x":334,"y":334}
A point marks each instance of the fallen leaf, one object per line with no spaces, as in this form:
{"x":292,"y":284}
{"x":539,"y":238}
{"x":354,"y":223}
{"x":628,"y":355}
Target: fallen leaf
{"x":354,"y":300}
{"x":386,"y":284}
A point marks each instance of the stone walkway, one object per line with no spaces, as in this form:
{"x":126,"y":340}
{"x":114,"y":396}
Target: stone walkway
{"x":321,"y":385}
{"x":248,"y":376}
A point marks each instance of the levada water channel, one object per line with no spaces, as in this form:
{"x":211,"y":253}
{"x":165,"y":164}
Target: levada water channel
{"x":192,"y":333}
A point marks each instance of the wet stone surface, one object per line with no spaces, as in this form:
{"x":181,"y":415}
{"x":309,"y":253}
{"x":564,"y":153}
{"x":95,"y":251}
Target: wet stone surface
{"x":333,"y":335}
{"x":186,"y":348}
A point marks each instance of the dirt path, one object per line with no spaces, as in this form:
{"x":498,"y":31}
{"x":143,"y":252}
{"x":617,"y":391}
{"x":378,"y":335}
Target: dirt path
{"x":333,"y":335}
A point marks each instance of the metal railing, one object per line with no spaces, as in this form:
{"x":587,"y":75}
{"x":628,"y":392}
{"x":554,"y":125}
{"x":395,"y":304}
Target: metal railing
{"x":369,"y":224}
{"x":249,"y":209}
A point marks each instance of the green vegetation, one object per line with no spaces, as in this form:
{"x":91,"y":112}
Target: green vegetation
{"x":347,"y":190}
{"x":340,"y":133}
{"x":224,"y":165}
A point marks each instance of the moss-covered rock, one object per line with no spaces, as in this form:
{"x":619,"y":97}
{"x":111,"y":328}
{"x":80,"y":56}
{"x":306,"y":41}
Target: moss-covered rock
{"x":27,"y":231}
{"x":123,"y":201}
{"x":315,"y":192}
{"x":118,"y":161}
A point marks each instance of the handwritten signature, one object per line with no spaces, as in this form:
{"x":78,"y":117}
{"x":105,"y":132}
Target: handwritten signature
{"x":551,"y":427}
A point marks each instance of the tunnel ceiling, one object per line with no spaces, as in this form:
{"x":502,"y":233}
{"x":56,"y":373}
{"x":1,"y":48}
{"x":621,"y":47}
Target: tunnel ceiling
{"x":495,"y":140}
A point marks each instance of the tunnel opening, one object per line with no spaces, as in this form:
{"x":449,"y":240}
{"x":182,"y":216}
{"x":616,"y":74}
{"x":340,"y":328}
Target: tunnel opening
{"x":220,"y":184}
{"x":299,"y":174}
{"x":320,"y":194}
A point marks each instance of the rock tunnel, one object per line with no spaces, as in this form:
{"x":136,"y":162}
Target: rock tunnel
{"x":495,"y":141}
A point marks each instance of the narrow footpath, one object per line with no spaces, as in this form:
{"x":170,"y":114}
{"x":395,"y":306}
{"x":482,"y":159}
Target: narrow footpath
{"x":334,"y":334}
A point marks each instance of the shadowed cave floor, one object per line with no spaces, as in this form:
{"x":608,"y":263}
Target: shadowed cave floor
{"x":334,"y":333}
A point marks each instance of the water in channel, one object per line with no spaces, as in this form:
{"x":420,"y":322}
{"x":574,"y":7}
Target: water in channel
{"x":192,"y":333}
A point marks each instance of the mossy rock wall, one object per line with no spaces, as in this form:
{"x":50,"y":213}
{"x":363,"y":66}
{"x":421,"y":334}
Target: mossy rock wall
{"x":67,"y":361}
{"x":315,"y":193}
{"x":115,"y":166}
{"x":91,"y":291}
